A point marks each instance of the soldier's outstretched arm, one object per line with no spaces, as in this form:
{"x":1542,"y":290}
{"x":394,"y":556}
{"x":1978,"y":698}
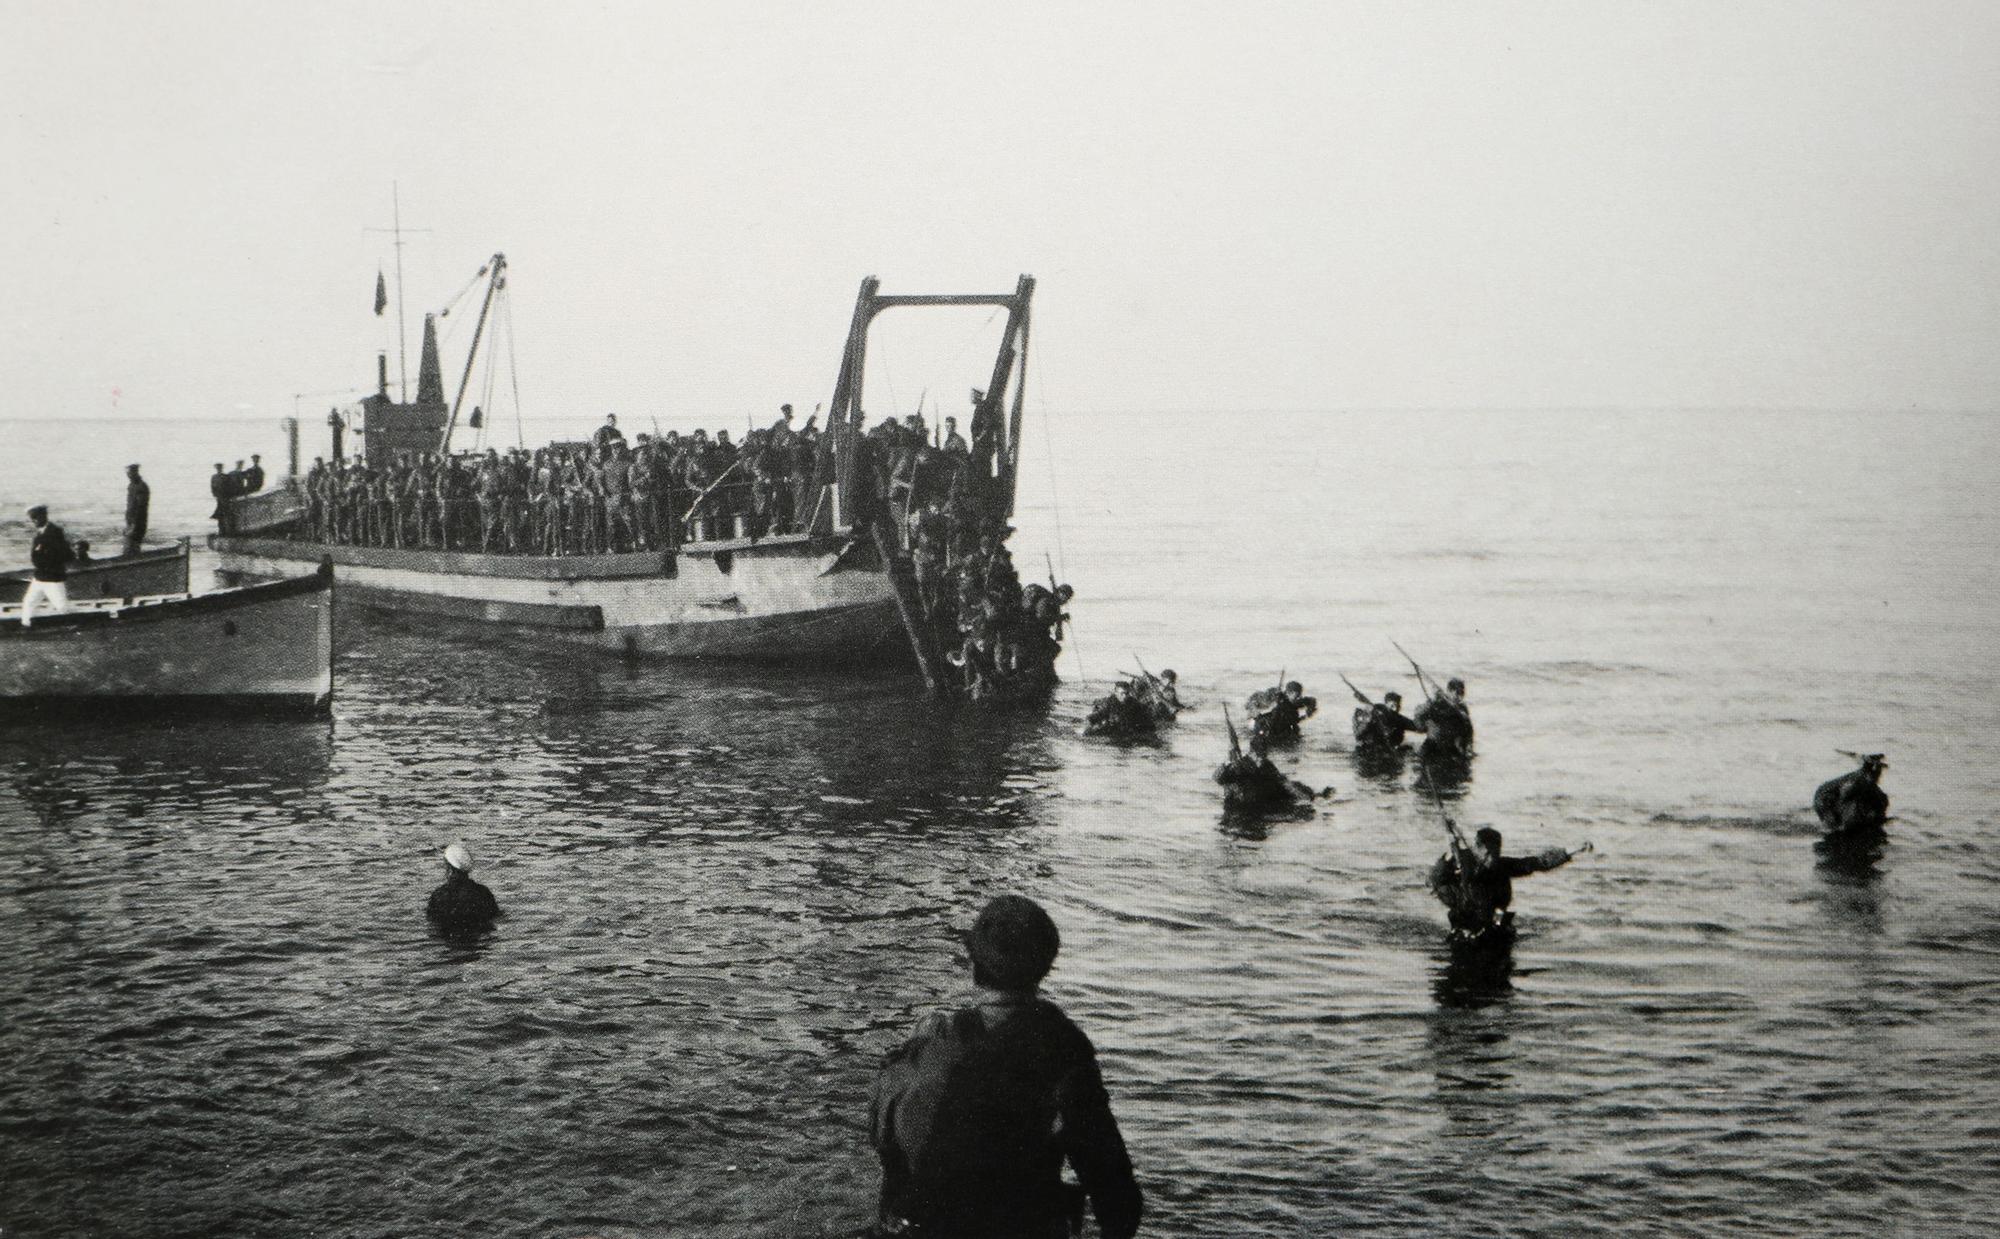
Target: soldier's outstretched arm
{"x":1543,"y":861}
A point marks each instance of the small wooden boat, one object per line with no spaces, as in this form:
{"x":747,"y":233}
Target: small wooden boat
{"x":259,"y":648}
{"x":148,"y":573}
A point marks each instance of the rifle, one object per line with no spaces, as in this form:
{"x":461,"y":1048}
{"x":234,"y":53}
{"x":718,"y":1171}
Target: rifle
{"x":1429,"y":691}
{"x":1358,"y":694}
{"x":1054,"y":592}
{"x":1457,"y":839}
{"x":1235,"y":745}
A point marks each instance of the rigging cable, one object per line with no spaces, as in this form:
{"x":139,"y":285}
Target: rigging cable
{"x":1055,"y":511}
{"x":514,"y":378}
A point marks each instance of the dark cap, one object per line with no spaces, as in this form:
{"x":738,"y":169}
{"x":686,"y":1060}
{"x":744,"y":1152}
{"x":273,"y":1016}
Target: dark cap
{"x":1013,"y":942}
{"x":38,"y":512}
{"x":1455,"y":684}
{"x":1488,"y":838}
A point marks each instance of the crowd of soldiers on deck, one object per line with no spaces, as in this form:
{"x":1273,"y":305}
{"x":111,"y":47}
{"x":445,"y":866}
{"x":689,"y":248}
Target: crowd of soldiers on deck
{"x":589,"y":498}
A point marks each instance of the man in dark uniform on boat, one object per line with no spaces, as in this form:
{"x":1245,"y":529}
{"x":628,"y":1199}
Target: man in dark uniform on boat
{"x":223,"y":490}
{"x":1475,"y":882}
{"x":975,"y":1116}
{"x":49,"y":555}
{"x":608,"y":435}
{"x":461,"y":906}
{"x":253,"y":477}
{"x":1854,"y":806}
{"x":138,"y":502}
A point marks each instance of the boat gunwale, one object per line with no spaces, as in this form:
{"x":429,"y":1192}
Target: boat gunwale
{"x":625,"y":565}
{"x":162,"y":607}
{"x":146,"y":557}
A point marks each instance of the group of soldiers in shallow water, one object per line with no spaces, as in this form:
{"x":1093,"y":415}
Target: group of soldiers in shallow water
{"x":1473,"y":879}
{"x":975,"y":1116}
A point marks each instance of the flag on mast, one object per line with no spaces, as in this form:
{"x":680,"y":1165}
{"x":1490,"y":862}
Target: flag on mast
{"x":381,"y":295}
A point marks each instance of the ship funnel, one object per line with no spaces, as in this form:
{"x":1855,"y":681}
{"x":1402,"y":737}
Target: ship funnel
{"x":382,"y":375}
{"x":430,"y":374}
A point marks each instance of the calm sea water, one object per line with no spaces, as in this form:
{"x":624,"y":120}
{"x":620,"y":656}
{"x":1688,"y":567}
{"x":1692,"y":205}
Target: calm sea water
{"x":728,"y":893}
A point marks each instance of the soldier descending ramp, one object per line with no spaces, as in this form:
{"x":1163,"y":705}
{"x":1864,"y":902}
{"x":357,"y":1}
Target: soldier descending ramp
{"x":937,"y":513}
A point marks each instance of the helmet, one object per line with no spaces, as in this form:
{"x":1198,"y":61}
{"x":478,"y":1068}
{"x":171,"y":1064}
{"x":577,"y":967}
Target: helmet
{"x":1014,"y":942}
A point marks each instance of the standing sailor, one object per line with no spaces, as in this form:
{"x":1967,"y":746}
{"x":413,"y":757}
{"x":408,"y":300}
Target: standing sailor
{"x":138,"y":501}
{"x":974,"y":1117}
{"x":1854,"y":806}
{"x":223,"y":490}
{"x":461,"y":906}
{"x":50,"y":555}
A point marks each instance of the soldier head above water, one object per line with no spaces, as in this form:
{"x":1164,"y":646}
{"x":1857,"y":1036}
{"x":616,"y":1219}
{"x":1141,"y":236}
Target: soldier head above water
{"x":975,"y":1116}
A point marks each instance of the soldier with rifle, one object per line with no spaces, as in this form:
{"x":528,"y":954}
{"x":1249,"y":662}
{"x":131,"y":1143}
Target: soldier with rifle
{"x":1379,"y":728}
{"x":1251,"y":782}
{"x":1121,"y":713}
{"x":1275,"y":713}
{"x":1853,"y":807}
{"x":1444,"y":717}
{"x":1159,"y":693}
{"x":1475,"y":881}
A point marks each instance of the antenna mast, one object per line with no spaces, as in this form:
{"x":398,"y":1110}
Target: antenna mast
{"x":402,"y":336}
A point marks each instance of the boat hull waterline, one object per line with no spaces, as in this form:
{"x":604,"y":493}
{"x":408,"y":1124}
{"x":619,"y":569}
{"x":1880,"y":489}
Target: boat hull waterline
{"x":777,"y":600}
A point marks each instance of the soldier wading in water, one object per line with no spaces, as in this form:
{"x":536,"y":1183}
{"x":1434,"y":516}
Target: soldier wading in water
{"x":975,"y":1116}
{"x":1379,"y":728}
{"x":1475,"y":881}
{"x":1854,"y":808}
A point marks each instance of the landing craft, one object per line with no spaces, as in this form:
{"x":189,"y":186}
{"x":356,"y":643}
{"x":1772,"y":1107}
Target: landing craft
{"x":838,"y":583}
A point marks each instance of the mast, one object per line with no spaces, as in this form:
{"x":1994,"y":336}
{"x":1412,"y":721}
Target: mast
{"x":402,"y":336}
{"x":493,"y":285}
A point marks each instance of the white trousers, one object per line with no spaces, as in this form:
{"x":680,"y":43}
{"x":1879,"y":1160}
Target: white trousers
{"x":56,"y":592}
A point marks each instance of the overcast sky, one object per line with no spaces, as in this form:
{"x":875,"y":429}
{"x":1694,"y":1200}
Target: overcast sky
{"x":1230,"y":207}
